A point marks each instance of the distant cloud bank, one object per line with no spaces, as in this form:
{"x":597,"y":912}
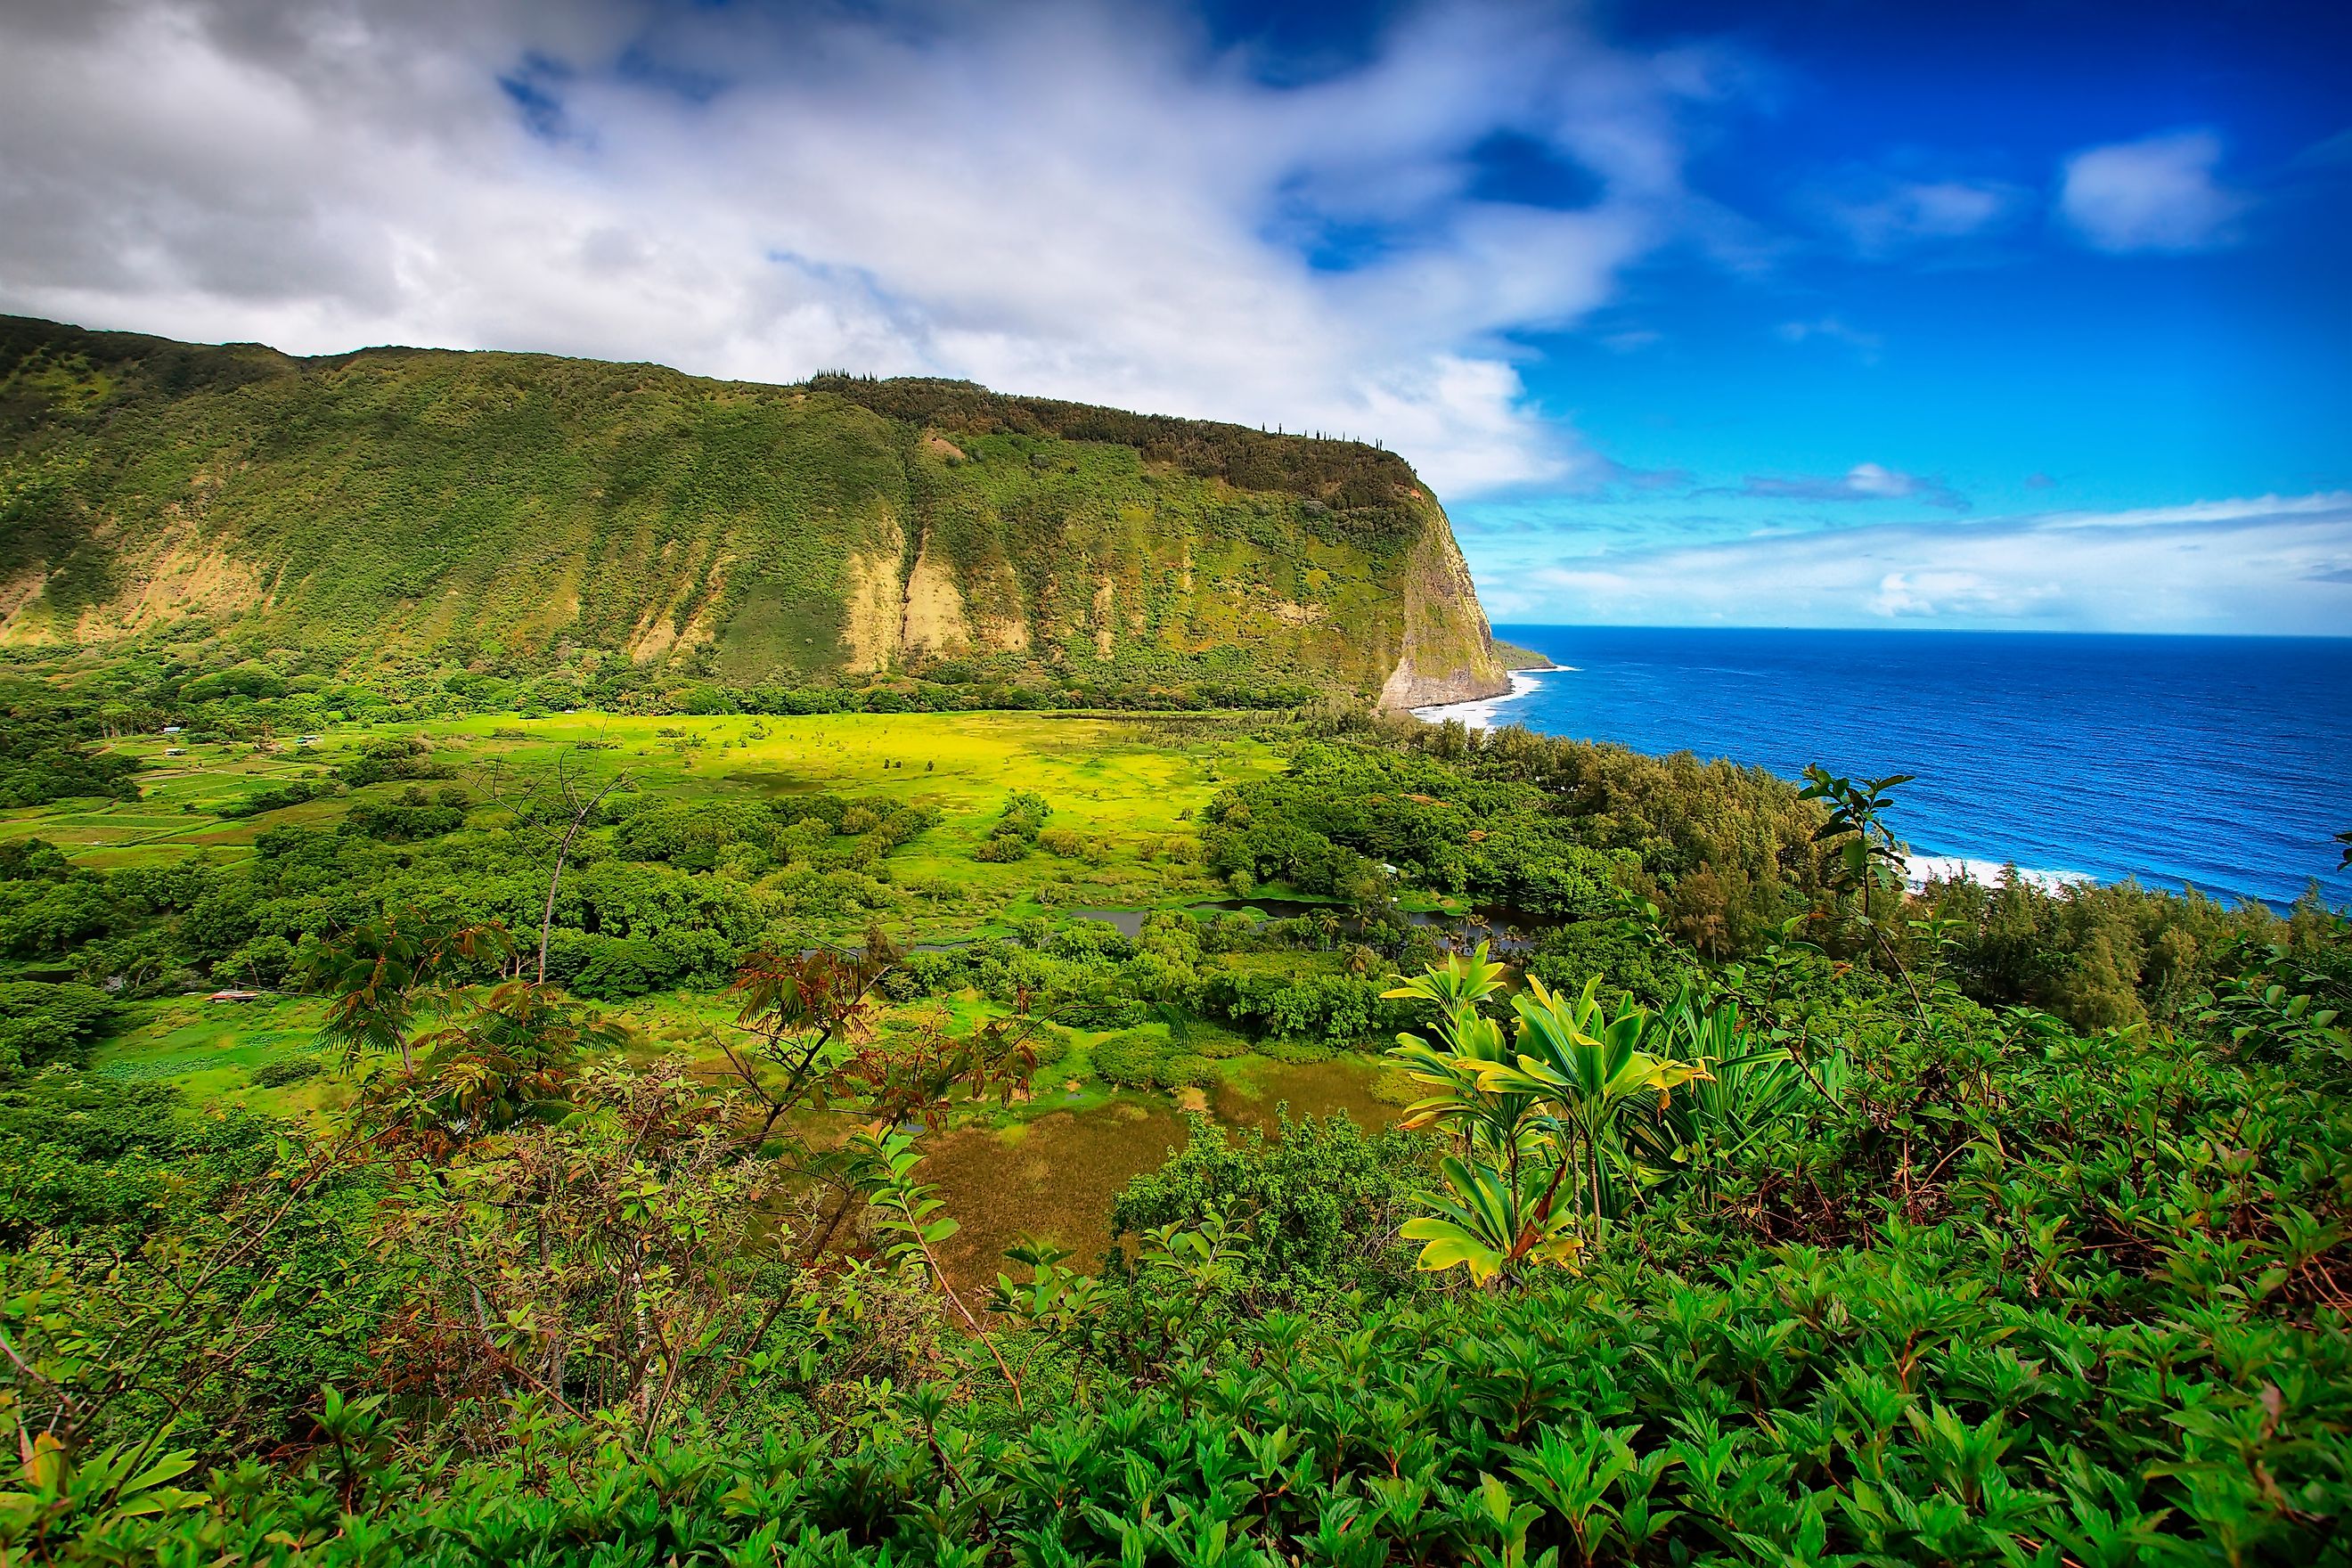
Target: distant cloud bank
{"x":2259,"y":564}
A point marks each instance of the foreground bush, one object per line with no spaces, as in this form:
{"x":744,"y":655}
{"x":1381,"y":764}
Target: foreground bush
{"x":1802,"y":1408}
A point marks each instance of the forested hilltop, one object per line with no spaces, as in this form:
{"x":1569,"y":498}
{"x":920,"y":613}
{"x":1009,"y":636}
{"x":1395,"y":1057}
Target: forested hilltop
{"x":434,"y":1130}
{"x":653,"y":540}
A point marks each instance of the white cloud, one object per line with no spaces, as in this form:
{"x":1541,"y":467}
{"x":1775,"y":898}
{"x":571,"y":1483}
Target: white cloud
{"x":1931,"y":593}
{"x":2318,"y":503}
{"x":2265,"y":565}
{"x":1832,"y":328}
{"x":2158,"y":193}
{"x":1864,"y":481}
{"x":1877,"y":480}
{"x":1881,"y":215}
{"x":1055,"y":197}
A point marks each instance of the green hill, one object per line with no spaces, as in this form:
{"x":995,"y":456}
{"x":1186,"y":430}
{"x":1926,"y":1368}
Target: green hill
{"x":403,"y":505}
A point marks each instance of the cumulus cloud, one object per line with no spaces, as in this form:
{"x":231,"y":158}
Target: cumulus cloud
{"x":2158,"y":193}
{"x":2260,"y":565}
{"x":1082,"y":200}
{"x":1864,"y":481}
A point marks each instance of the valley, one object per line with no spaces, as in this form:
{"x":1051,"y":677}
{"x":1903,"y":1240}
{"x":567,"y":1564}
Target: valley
{"x":598,"y":966}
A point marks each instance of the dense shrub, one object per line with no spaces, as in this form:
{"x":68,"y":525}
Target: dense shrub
{"x":1016,"y":829}
{"x":617,"y":968}
{"x":410,"y":815}
{"x":1319,"y":1202}
{"x":44,"y":1026}
{"x":392,"y":757}
{"x":1567,"y":957}
{"x":49,"y":752}
{"x":1327,"y":824}
{"x":2096,"y":955}
{"x":279,"y":1071}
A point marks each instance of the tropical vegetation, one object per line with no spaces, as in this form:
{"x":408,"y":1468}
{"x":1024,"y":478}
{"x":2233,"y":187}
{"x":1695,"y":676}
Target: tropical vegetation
{"x":627,"y":537}
{"x":652,"y":1139}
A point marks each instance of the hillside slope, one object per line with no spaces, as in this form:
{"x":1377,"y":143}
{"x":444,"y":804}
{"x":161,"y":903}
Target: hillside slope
{"x":403,"y":505}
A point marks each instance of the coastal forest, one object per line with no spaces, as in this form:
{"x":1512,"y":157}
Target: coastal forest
{"x":521,"y":1041}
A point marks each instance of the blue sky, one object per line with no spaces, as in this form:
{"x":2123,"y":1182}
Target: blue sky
{"x":1825,"y":313}
{"x":1933,"y":303}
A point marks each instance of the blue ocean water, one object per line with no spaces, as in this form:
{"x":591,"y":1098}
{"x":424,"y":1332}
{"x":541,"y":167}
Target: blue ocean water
{"x":2213,"y":761}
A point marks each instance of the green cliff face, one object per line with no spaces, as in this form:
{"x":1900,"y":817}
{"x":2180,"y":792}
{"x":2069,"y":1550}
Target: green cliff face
{"x":399,"y":504}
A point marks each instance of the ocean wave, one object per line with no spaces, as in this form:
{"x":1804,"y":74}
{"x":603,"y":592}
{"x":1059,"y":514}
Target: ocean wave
{"x":1480,"y":714}
{"x":1920,"y":869}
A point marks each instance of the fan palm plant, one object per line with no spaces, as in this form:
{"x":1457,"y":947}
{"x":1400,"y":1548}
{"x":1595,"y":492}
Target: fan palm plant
{"x":1745,"y":1094}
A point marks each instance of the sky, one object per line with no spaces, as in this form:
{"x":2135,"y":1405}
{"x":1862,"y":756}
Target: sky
{"x":1824,"y":313}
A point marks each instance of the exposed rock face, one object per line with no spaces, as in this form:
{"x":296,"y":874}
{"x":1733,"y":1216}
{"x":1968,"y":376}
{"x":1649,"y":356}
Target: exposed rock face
{"x":1447,"y":652}
{"x":533,"y":514}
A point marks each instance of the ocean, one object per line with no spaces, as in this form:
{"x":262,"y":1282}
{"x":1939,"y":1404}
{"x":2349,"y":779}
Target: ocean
{"x":2213,"y":763}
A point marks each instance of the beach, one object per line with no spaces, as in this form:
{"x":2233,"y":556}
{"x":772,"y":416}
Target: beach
{"x":1480,"y":714}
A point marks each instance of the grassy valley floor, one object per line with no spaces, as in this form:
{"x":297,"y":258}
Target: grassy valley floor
{"x":1047,"y":1165}
{"x":1129,"y":779}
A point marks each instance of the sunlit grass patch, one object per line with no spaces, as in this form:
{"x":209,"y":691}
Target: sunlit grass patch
{"x":1124,"y":786}
{"x":212,"y":1051}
